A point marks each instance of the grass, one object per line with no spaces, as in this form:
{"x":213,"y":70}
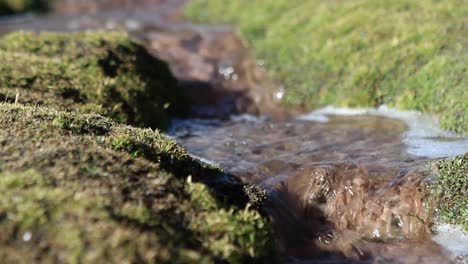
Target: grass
{"x":450,"y":190}
{"x":406,"y":54}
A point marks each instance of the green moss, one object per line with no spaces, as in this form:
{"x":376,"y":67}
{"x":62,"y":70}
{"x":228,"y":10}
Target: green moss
{"x":8,"y":7}
{"x":450,"y":190}
{"x":81,"y":188}
{"x":45,"y":221}
{"x":407,"y":54}
{"x":145,"y":143}
{"x":232,"y":234}
{"x":257,"y":195}
{"x":90,"y":72}
{"x":77,"y":124}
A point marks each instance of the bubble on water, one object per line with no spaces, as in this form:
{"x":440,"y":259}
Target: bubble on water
{"x":376,"y":233}
{"x":111,"y":24}
{"x":349,"y":189}
{"x":27,"y":236}
{"x":204,"y":160}
{"x":226,"y":71}
{"x":279,"y":94}
{"x":261,"y":63}
{"x":132,"y":24}
{"x":248,"y":118}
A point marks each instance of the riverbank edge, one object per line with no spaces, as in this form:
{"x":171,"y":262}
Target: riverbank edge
{"x":342,"y":67}
{"x":270,"y":20}
{"x":78,"y":186}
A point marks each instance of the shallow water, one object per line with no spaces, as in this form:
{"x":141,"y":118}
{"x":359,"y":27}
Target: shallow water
{"x":351,"y":188}
{"x":210,"y":62}
{"x":344,"y":185}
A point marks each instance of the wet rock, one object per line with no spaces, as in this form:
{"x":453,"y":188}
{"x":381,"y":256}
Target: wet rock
{"x":353,"y":201}
{"x":216,"y":70}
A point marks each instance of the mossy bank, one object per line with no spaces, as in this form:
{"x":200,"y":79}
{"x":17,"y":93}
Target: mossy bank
{"x":407,"y":54}
{"x":77,"y":187}
{"x":90,"y":72}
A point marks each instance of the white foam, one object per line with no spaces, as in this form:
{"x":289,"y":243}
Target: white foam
{"x":207,"y":161}
{"x":247,"y":118}
{"x":453,"y":238}
{"x":423,"y":138}
{"x":194,"y":127}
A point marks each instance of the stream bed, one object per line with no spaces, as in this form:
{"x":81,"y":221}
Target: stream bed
{"x":342,"y":185}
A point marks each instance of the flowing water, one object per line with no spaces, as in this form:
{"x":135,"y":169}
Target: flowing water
{"x":351,"y":188}
{"x":343,"y":185}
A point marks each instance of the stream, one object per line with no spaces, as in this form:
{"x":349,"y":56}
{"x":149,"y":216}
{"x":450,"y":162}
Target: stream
{"x":338,"y":180}
{"x":342,"y":185}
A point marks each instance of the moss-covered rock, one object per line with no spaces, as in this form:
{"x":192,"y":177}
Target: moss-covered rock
{"x":450,"y":190}
{"x":19,"y":6}
{"x":90,"y":72}
{"x":81,"y":188}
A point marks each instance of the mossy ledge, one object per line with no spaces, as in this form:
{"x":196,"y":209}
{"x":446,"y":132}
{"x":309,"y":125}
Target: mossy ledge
{"x":79,"y":184}
{"x":90,"y":72}
{"x":450,"y":190}
{"x":81,"y":188}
